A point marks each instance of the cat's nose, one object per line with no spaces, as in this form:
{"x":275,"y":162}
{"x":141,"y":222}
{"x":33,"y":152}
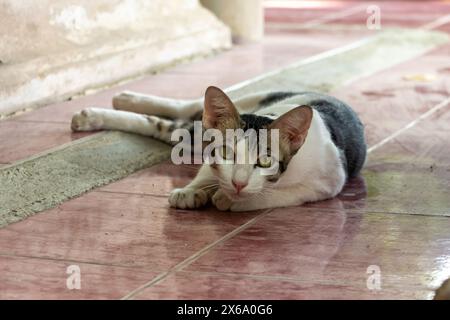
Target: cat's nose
{"x":238,"y":185}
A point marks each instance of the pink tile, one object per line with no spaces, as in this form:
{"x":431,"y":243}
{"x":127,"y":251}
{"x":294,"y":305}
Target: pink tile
{"x":184,"y":285}
{"x":277,"y":49}
{"x":336,"y":246}
{"x":118,"y":229}
{"x":304,"y":14}
{"x":388,"y":101}
{"x":157,"y":180}
{"x":393,"y":13}
{"x":30,"y":278}
{"x":409,"y":174}
{"x":19,"y":140}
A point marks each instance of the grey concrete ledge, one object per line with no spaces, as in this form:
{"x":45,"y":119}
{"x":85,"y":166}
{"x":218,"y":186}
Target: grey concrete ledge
{"x":72,"y":62}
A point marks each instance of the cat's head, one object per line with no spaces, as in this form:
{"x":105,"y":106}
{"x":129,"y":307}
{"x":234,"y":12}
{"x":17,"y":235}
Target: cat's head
{"x":240,"y":179}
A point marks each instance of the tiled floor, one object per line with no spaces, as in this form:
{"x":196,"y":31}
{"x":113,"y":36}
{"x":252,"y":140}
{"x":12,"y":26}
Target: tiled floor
{"x":128,"y":243}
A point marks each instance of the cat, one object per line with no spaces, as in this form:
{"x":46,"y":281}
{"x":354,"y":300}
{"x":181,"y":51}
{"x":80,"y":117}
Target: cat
{"x":321,"y":144}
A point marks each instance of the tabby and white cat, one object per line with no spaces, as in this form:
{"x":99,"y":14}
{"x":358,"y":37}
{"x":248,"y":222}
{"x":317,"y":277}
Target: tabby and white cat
{"x":321,"y":144}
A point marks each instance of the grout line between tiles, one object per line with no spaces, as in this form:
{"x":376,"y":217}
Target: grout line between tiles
{"x":134,"y":193}
{"x":2,"y":254}
{"x":276,"y":277}
{"x":195,"y":256}
{"x":439,"y":22}
{"x":38,"y":121}
{"x":445,"y":215}
{"x":413,"y":123}
{"x":305,"y":61}
{"x":325,"y":18}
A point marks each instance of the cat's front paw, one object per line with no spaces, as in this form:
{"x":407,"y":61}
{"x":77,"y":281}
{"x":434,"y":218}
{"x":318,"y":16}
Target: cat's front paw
{"x":87,"y":120}
{"x":221,"y":201}
{"x":188,"y":198}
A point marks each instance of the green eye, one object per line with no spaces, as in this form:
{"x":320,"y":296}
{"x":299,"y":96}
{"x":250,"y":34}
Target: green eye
{"x":264,"y":161}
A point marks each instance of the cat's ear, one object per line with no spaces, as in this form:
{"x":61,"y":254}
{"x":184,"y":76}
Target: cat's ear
{"x":293,"y":126}
{"x":219,"y":112}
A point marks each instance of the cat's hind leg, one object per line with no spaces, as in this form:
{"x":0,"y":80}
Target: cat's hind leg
{"x":157,"y":106}
{"x":189,"y":109}
{"x":106,"y":119}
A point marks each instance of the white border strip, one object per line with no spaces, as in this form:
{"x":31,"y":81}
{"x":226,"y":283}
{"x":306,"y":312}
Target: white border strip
{"x":314,"y":58}
{"x":436,"y":23}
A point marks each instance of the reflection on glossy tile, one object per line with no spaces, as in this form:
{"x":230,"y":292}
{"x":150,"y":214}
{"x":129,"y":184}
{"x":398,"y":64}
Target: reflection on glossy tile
{"x":28,"y":278}
{"x":409,"y":174}
{"x":157,"y":180}
{"x":19,"y":140}
{"x":335,"y":246}
{"x":184,"y":285}
{"x":118,"y":229}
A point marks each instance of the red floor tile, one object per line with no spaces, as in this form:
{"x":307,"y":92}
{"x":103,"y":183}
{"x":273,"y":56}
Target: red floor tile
{"x":157,"y":180}
{"x":19,"y":140}
{"x":393,"y":14}
{"x":389,"y":100}
{"x":185,"y":285}
{"x":410,"y":174}
{"x":118,"y":229}
{"x":307,"y":15}
{"x":30,"y":278}
{"x":334,"y":246}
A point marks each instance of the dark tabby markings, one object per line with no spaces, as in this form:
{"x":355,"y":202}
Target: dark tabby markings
{"x":197,"y":116}
{"x":150,"y":119}
{"x":276,"y":97}
{"x":172,"y":127}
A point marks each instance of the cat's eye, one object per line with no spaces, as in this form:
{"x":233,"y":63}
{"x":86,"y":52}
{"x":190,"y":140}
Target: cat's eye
{"x":226,"y":152}
{"x":265,"y":161}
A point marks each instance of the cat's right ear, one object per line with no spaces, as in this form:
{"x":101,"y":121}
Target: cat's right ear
{"x":219,"y":112}
{"x":293,"y":126}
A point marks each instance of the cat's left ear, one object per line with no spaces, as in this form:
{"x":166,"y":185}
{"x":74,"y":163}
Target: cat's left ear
{"x":219,"y":112}
{"x":293,"y":126}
